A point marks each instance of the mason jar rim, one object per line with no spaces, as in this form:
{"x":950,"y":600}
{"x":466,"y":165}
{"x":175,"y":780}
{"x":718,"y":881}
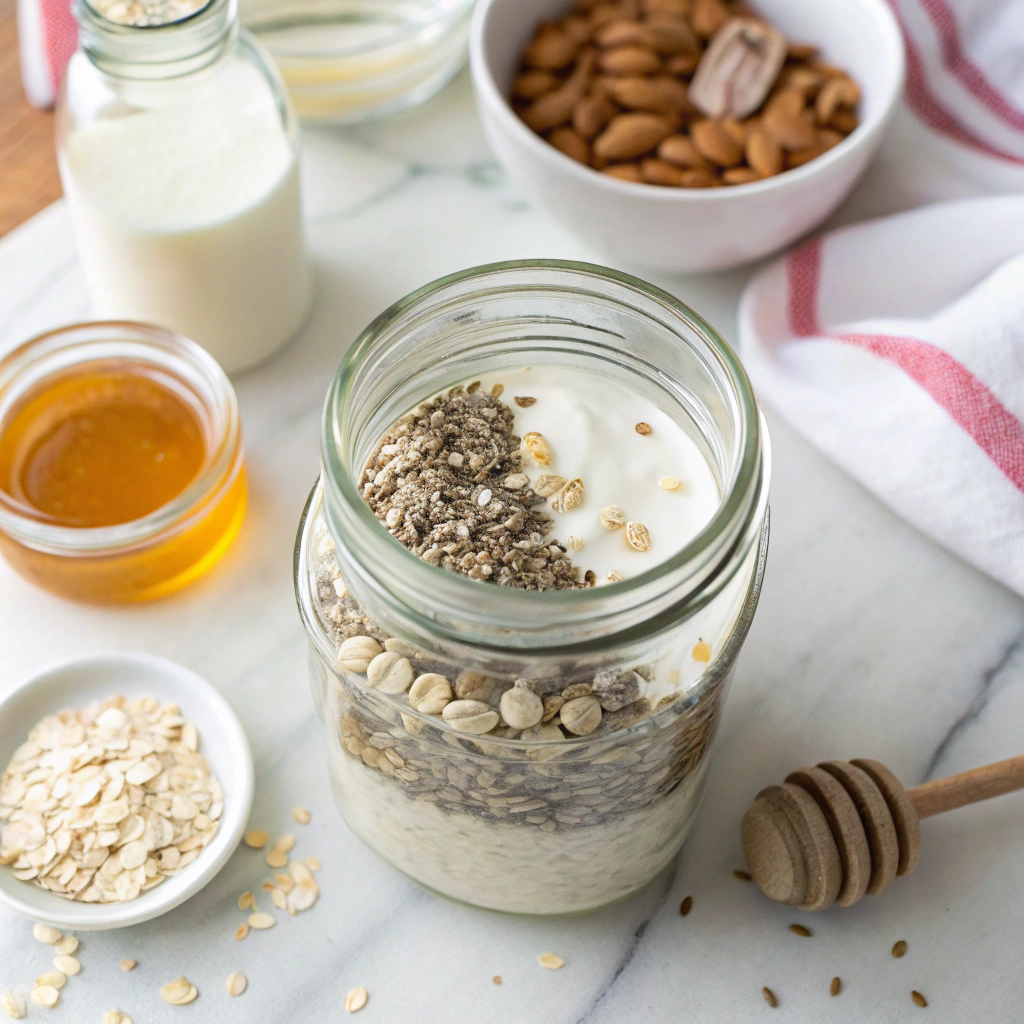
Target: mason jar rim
{"x":743,"y":495}
{"x":25,"y":371}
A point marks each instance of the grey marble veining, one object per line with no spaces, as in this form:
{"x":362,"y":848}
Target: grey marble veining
{"x":869,"y":641}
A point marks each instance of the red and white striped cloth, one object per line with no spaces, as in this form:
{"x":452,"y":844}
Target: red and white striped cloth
{"x":47,"y":37}
{"x":896,"y":345}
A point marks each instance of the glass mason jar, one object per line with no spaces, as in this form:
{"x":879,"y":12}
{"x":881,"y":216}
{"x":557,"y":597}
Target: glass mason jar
{"x":179,"y":156}
{"x":541,"y":825}
{"x":161,"y":552}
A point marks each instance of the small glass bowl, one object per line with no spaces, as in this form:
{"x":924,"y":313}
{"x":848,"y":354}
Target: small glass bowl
{"x":158,"y":553}
{"x":345,"y":61}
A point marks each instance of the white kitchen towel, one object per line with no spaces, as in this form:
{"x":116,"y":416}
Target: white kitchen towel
{"x":896,"y":346}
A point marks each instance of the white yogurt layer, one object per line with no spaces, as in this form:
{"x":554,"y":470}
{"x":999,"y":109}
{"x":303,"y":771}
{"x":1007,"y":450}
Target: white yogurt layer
{"x":590,"y":421}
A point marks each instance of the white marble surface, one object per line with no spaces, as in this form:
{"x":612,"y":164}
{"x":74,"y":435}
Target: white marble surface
{"x":869,"y":641}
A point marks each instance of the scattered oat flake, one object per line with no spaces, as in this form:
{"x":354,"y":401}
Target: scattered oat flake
{"x":525,"y":401}
{"x":44,"y":995}
{"x":66,"y":946}
{"x":919,"y":1000}
{"x":112,"y":1017}
{"x":899,"y":948}
{"x":313,"y":863}
{"x":551,"y":961}
{"x":799,"y":929}
{"x":246,"y":901}
{"x":285,"y":843}
{"x":46,"y":934}
{"x":769,"y":996}
{"x":669,"y":483}
{"x":496,"y":979}
{"x":267,"y":886}
{"x":356,"y":999}
{"x":126,"y":965}
{"x":686,"y":906}
{"x":701,"y":651}
{"x":179,"y":992}
{"x":68,"y":964}
{"x":261,"y":920}
{"x":279,"y":899}
{"x":236,"y":983}
{"x":241,"y":931}
{"x":276,"y":858}
{"x":743,"y":876}
{"x":301,"y":815}
{"x":835,"y":988}
{"x":256,"y":839}
{"x":13,"y":1005}
{"x":55,"y":978}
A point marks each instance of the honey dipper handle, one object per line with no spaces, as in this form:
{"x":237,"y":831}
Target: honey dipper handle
{"x":968,"y":787}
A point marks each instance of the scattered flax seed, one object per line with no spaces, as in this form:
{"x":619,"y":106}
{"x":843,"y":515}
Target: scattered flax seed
{"x":668,"y":483}
{"x":743,"y":876}
{"x":236,"y":983}
{"x":686,"y":906}
{"x":355,"y":1000}
{"x":769,"y":997}
{"x":919,"y":1000}
{"x":835,"y":988}
{"x":496,"y":979}
{"x":241,"y":931}
{"x":246,"y":901}
{"x":701,"y":651}
{"x":126,"y":965}
{"x":551,"y":961}
{"x":313,"y":863}
{"x":497,"y":390}
{"x":261,"y":920}
{"x":799,"y":929}
{"x":179,"y":992}
{"x":45,"y":934}
{"x":899,"y":948}
{"x":525,"y":401}
{"x":66,"y":946}
{"x":643,"y":428}
{"x":256,"y":839}
{"x":301,"y":815}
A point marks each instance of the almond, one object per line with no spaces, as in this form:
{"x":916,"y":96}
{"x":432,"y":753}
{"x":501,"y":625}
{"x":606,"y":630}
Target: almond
{"x":571,"y":143}
{"x":624,"y":172}
{"x":531,"y":85}
{"x":699,"y":178}
{"x":555,"y":108}
{"x":714,"y":142}
{"x":740,"y":175}
{"x":836,"y":93}
{"x":629,"y":60}
{"x":631,"y":135}
{"x":552,"y":50}
{"x":679,"y":149}
{"x":662,"y":94}
{"x":764,"y":154}
{"x":674,"y":8}
{"x":787,"y":122}
{"x":684,"y":64}
{"x":591,"y":114}
{"x":660,"y":172}
{"x":708,"y":16}
{"x":844,"y":121}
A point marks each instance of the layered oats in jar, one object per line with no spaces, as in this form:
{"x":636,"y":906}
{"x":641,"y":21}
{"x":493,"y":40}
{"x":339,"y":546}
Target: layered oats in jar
{"x":526,"y":572}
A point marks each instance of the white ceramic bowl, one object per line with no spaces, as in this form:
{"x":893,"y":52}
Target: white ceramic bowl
{"x":73,"y":684}
{"x":675,"y":229}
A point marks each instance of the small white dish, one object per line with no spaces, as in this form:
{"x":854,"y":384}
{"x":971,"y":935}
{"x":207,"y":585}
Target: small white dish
{"x":692,"y":229}
{"x":74,"y":684}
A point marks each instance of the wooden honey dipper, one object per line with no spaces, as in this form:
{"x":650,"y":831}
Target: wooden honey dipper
{"x":844,"y":828}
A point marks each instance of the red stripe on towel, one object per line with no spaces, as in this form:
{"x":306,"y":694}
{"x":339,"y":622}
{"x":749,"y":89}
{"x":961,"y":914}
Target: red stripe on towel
{"x":967,"y":400}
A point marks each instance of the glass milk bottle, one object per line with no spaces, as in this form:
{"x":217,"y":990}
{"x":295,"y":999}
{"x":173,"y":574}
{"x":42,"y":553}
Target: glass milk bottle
{"x":178,"y":153}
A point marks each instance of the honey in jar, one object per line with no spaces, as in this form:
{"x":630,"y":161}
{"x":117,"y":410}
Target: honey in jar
{"x":121,"y":475}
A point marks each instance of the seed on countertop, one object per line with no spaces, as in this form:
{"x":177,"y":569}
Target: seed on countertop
{"x":538,"y":447}
{"x":179,"y":992}
{"x":612,"y":517}
{"x":769,"y":996}
{"x":899,"y":948}
{"x":236,"y":983}
{"x":799,"y":929}
{"x":261,"y":920}
{"x":256,"y":839}
{"x":686,"y":906}
{"x":58,"y":979}
{"x":241,"y":931}
{"x":835,"y":988}
{"x":549,"y":483}
{"x":743,"y":876}
{"x":356,"y":998}
{"x":45,"y":934}
{"x":13,"y":1005}
{"x":638,"y":536}
{"x":701,"y":651}
{"x":68,"y":964}
{"x":525,"y":401}
{"x":496,"y":979}
{"x":551,"y":961}
{"x":126,"y":965}
{"x":66,"y":946}
{"x":919,"y":1000}
{"x":643,"y":428}
{"x":668,"y":483}
{"x":44,"y":995}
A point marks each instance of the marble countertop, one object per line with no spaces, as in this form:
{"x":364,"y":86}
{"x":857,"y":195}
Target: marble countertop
{"x":869,"y":641}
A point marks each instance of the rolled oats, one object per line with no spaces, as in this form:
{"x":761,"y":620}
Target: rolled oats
{"x":179,"y":992}
{"x":355,"y":999}
{"x":68,"y":965}
{"x":236,"y":983}
{"x":548,"y":484}
{"x":46,"y":934}
{"x":261,"y":920}
{"x":44,"y":995}
{"x":13,"y":1005}
{"x":551,"y":961}
{"x":57,"y":979}
{"x":256,"y":839}
{"x":638,"y":536}
{"x":430,"y":693}
{"x":568,"y":498}
{"x":612,"y":517}
{"x":126,"y":965}
{"x":66,"y":946}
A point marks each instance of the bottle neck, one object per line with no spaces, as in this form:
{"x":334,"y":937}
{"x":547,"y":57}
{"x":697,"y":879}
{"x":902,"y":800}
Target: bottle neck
{"x":158,"y":51}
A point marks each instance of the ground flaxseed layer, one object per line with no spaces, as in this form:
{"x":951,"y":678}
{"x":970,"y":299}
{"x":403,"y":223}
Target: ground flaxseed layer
{"x":447,"y":482}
